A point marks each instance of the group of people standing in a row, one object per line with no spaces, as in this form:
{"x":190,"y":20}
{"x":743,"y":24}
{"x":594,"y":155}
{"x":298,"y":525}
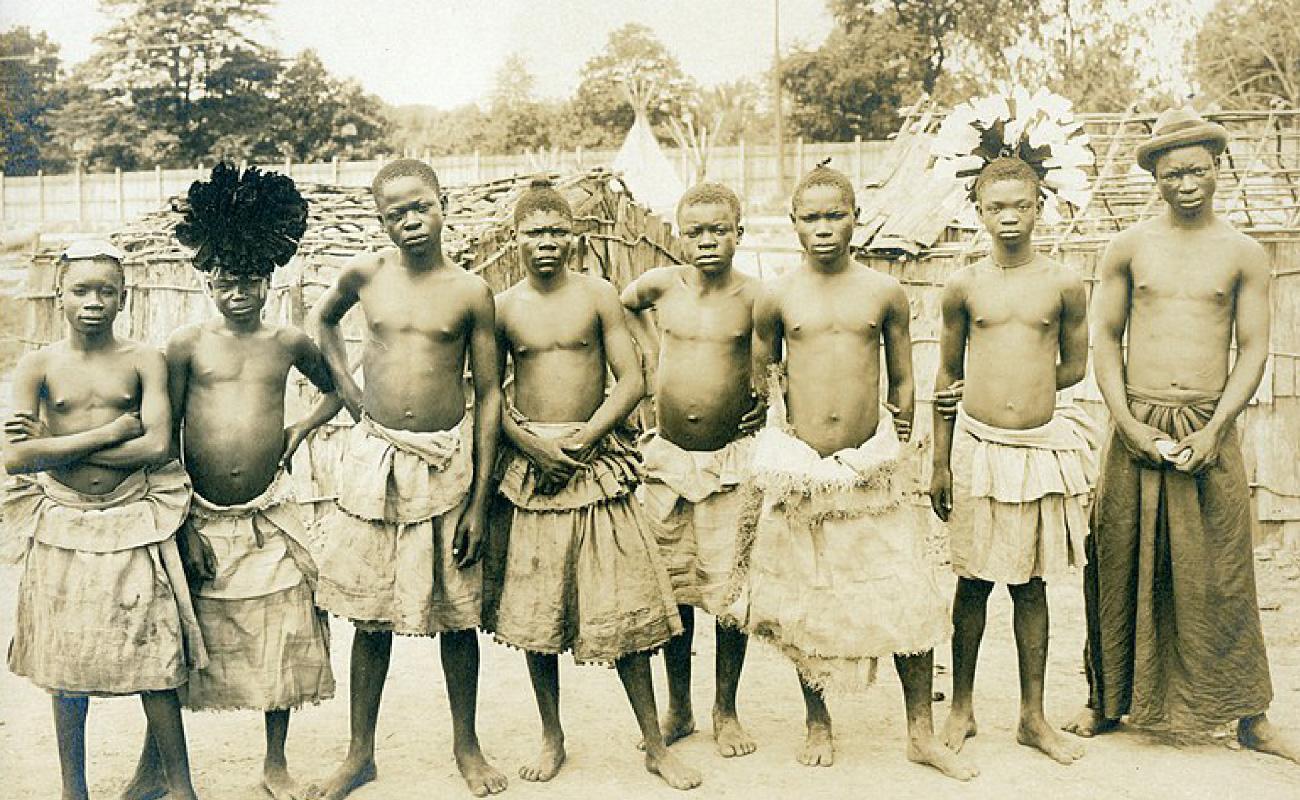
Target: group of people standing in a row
{"x":164,"y":555}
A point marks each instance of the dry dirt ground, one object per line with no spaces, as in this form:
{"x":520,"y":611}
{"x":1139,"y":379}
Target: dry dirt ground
{"x":414,"y":751}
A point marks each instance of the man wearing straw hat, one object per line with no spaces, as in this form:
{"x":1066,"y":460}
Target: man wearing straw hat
{"x":1174,"y":636}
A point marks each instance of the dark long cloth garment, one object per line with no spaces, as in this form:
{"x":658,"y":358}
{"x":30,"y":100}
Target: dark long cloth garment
{"x":1174,"y":639}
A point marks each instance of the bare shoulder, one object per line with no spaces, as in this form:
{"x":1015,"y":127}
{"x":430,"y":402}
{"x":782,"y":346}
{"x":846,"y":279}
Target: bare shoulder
{"x":36,"y":361}
{"x":1066,"y":278}
{"x":601,"y":291}
{"x":145,"y":357}
{"x":880,"y":284}
{"x":360,"y":268}
{"x":289,"y":337}
{"x":1248,"y":253}
{"x":184,"y":339}
{"x":476,"y":289}
{"x":654,"y":282}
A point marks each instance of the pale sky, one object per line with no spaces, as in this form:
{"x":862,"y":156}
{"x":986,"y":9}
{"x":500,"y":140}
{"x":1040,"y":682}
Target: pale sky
{"x":446,"y":52}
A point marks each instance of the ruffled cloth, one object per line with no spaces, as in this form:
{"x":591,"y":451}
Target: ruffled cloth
{"x":1174,"y":637}
{"x":832,"y":570}
{"x":384,"y":554}
{"x":693,"y":508}
{"x":1020,"y":498}
{"x":268,"y":644}
{"x":578,"y":569}
{"x":103,"y":605}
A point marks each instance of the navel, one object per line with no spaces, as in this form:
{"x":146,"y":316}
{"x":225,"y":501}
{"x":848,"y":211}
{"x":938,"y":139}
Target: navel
{"x":409,"y":414}
{"x":693,"y":417}
{"x":236,"y":472}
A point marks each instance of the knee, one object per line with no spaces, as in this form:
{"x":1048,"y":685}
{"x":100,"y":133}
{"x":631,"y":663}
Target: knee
{"x":973,"y":591}
{"x":1033,"y":591}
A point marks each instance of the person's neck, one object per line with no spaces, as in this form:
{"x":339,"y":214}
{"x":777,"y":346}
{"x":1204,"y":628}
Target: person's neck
{"x":549,"y":283}
{"x":242,"y":327}
{"x":427,"y":261}
{"x":711,"y":282}
{"x":835,"y":267}
{"x":92,"y":342}
{"x":1203,"y":218}
{"x":1009,"y":255}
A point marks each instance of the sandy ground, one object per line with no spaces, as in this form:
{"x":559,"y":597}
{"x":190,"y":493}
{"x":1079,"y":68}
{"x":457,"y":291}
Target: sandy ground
{"x":415,"y":740}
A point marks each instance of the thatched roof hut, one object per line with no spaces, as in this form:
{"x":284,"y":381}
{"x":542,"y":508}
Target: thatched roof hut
{"x":918,"y":228}
{"x":617,"y":238}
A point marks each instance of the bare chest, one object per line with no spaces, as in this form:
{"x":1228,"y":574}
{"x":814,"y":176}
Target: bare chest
{"x":727,"y":320}
{"x":1022,"y":305}
{"x":219,"y":361}
{"x":74,"y":388}
{"x":1158,"y":275}
{"x":397,"y":308}
{"x":536,"y":330}
{"x":805,"y":316}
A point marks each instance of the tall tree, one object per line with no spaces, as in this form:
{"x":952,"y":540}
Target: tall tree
{"x":1247,"y":54}
{"x":633,"y":51}
{"x":317,"y":116}
{"x":517,"y":120}
{"x":29,"y":74}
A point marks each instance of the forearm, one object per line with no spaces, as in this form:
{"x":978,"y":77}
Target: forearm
{"x":322,"y":411}
{"x":647,"y":341}
{"x":1108,"y":365}
{"x":487,"y":417}
{"x":620,"y":402}
{"x":1069,"y":373}
{"x":943,"y":425}
{"x":1242,"y":382}
{"x":335,"y":352}
{"x":52,"y":452}
{"x":142,"y":451}
{"x":902,"y":396}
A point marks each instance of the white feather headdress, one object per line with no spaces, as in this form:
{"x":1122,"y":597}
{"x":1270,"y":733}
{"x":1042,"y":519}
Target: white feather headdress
{"x":1039,"y":129}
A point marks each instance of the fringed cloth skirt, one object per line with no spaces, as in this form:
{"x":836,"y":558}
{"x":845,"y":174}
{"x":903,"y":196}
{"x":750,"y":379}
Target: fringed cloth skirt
{"x":578,"y":569}
{"x":268,"y":645}
{"x":384,"y":554}
{"x":1020,"y":497}
{"x":103,"y":606}
{"x":693,"y":507}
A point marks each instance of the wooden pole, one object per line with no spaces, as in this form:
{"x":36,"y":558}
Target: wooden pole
{"x":798,"y":157}
{"x":858,"y":177}
{"x":157,"y":183}
{"x":81,"y":196}
{"x":121,"y":194}
{"x":743,"y":182}
{"x":478,"y":167}
{"x":779,"y":134}
{"x":2,"y":196}
{"x":40,"y":196}
{"x":334,"y":169}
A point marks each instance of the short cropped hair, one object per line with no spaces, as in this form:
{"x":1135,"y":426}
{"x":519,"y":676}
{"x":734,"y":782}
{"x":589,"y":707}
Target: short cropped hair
{"x":823,"y":175}
{"x":404,"y":168}
{"x":709,"y":193}
{"x":541,"y":196}
{"x":1006,"y":168}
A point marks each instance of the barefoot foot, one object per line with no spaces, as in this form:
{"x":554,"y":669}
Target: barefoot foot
{"x":818,"y":747}
{"x":350,"y":776}
{"x":959,"y":727}
{"x":548,"y":761}
{"x":481,"y":777}
{"x":1260,"y":735}
{"x":1089,"y":723}
{"x":1036,"y":733}
{"x":929,"y":750}
{"x":675,"y":725}
{"x":730,"y":738}
{"x":145,"y":786}
{"x":673,"y":771}
{"x":278,"y":784}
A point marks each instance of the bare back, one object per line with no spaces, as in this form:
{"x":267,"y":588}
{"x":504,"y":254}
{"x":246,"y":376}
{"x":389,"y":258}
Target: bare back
{"x":703,"y":376}
{"x":418,"y":326}
{"x":1183,"y":289}
{"x":556,"y":341}
{"x":832,"y":326}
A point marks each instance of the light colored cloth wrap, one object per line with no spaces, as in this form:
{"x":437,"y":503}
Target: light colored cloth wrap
{"x":103,"y":606}
{"x":268,"y":645}
{"x":832,"y":570}
{"x":693,"y":510}
{"x":579,"y":570}
{"x":1020,"y":498}
{"x":384,"y":554}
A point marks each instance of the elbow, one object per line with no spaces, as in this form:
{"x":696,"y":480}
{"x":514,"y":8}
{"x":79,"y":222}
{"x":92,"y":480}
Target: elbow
{"x":1071,"y":374}
{"x":16,"y":463}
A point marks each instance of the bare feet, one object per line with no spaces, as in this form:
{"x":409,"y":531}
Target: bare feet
{"x":1258,"y":734}
{"x":481,"y":777}
{"x":145,"y":786}
{"x":819,"y":746}
{"x":350,"y":776}
{"x":1038,"y":734}
{"x":1089,"y":723}
{"x":278,"y":784}
{"x":931,"y":751}
{"x":548,"y":761}
{"x":675,"y":725}
{"x":959,"y":727}
{"x":730,"y":738}
{"x":674,"y":772}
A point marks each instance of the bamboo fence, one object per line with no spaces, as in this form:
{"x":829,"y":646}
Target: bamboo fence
{"x":915,"y":228}
{"x":617,"y":239}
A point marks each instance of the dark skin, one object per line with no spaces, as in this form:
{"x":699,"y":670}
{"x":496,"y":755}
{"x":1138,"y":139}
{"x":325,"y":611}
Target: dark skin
{"x":562,"y":331}
{"x":425,"y":316}
{"x":703,"y":353}
{"x":226,"y":379}
{"x":92,"y":409}
{"x":1184,"y":271}
{"x":1014,"y":328}
{"x":829,"y":318}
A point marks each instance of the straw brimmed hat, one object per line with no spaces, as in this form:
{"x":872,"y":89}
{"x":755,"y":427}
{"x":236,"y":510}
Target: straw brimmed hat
{"x":1179,"y":127}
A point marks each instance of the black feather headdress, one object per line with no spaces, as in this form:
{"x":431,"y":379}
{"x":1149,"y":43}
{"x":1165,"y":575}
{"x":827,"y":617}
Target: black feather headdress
{"x":247,"y":223}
